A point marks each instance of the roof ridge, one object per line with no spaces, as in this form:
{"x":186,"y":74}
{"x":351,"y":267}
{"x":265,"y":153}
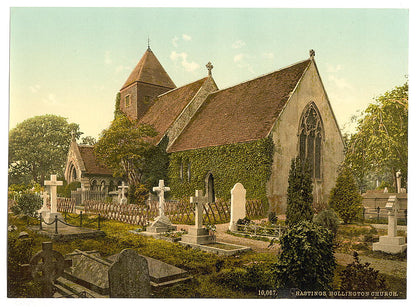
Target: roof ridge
{"x":261,"y":76}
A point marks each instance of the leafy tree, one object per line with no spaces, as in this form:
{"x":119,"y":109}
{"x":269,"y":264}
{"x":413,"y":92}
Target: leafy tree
{"x":307,"y":259}
{"x":38,"y":147}
{"x":299,"y":194}
{"x":27,"y":204}
{"x":88,"y":140}
{"x":125,"y":149}
{"x":380,"y":144}
{"x":345,"y":197}
{"x":361,"y":277}
{"x":328,"y":219}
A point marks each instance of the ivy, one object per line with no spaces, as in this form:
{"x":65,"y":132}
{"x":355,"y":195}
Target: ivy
{"x":248,"y":163}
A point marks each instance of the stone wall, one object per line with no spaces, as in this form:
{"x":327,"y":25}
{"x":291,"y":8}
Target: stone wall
{"x":374,"y":199}
{"x":285,"y":138}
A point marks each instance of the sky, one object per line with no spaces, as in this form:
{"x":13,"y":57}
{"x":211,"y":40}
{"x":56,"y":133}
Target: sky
{"x":73,"y":61}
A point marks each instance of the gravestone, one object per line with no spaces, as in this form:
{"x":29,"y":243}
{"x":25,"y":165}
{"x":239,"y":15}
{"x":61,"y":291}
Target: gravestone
{"x":50,"y":214}
{"x":44,"y":210}
{"x":162,"y":222}
{"x":238,"y":205}
{"x":129,"y":276}
{"x":391,"y":243}
{"x":122,"y":196}
{"x":198,"y":234}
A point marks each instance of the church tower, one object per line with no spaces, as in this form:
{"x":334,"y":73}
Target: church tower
{"x":148,"y":80}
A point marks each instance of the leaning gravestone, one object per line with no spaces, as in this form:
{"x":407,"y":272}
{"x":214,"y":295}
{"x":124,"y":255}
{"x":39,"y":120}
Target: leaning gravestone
{"x":129,"y":276}
{"x":238,"y":205}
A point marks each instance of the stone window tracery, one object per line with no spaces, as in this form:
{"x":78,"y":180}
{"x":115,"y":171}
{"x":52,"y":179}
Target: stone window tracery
{"x":310,"y":139}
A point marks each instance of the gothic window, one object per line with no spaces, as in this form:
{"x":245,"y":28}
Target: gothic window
{"x":181,"y":170}
{"x":189,"y":171}
{"x":310,"y":139}
{"x":127,"y":100}
{"x":94,"y":185}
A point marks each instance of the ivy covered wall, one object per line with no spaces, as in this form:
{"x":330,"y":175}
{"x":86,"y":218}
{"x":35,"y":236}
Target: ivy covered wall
{"x":248,"y":163}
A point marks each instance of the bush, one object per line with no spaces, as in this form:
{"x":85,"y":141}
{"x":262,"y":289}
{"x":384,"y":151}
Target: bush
{"x":299,"y":194}
{"x":27,"y":204}
{"x":272,"y":217}
{"x":345,"y":197}
{"x":244,"y":221}
{"x":360,"y":277}
{"x":328,"y":219}
{"x":307,"y":259}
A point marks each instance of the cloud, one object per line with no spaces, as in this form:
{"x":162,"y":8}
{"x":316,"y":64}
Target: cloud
{"x":239,"y":57}
{"x":240,"y":60}
{"x":175,"y":41}
{"x":238,"y":44}
{"x":50,"y":99}
{"x":183,"y":58}
{"x":122,"y":68}
{"x":107,"y":58}
{"x":186,"y":37}
{"x":339,"y":83}
{"x":268,"y":55}
{"x":34,"y":88}
{"x":332,"y":69}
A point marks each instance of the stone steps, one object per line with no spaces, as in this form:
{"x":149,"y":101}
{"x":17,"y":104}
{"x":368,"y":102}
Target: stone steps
{"x":68,"y":288}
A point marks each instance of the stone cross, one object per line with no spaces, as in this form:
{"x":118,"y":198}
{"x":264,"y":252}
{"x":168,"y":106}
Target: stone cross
{"x":209,"y":66}
{"x":128,"y":276}
{"x":199,"y":200}
{"x":44,"y":208}
{"x":392,"y":207}
{"x":123,"y":188}
{"x":161,"y":189}
{"x":238,"y":205}
{"x":46,"y":266}
{"x":53,"y":183}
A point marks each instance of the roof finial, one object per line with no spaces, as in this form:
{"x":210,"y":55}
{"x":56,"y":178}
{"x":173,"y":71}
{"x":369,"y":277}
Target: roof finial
{"x":209,"y":66}
{"x":148,"y":43}
{"x":311,"y":53}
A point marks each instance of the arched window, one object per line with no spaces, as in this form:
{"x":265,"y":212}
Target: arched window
{"x":310,"y":139}
{"x":94,"y":185}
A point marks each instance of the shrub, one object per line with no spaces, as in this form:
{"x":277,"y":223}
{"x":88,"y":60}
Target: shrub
{"x":345,"y":197}
{"x":328,"y":219}
{"x":307,"y":259}
{"x":299,"y":194}
{"x":361,"y":277}
{"x":272,"y":217}
{"x":244,"y":221}
{"x":65,"y":190}
{"x":27,"y":204}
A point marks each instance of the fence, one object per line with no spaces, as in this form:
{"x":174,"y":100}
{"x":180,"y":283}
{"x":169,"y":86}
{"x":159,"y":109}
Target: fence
{"x":263,"y":231}
{"x":81,"y":196}
{"x":382,"y":213}
{"x":179,"y":212}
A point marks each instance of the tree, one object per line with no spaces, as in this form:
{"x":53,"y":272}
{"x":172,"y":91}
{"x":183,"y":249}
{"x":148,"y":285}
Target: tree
{"x":117,"y":110}
{"x":380,"y":144}
{"x":38,"y":147}
{"x":345,"y":197}
{"x":125,"y":149}
{"x":88,"y":140}
{"x":307,"y":259}
{"x":299,"y":194}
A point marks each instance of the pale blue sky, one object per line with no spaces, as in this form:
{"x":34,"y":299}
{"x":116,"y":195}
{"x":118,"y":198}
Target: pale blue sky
{"x":72,"y":61}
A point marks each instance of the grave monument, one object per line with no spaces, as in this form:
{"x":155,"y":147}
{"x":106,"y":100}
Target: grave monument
{"x":49,"y":215}
{"x":162,"y":222}
{"x":391,"y":243}
{"x":238,"y":205}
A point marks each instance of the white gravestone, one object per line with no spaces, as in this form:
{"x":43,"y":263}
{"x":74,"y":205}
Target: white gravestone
{"x":391,"y":243}
{"x":122,"y":196}
{"x":52,"y":184}
{"x":44,"y":208}
{"x":198,"y":234}
{"x":162,"y":222}
{"x":238,"y":205}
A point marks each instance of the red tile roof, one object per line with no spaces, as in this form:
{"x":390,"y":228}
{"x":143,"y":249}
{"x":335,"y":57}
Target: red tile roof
{"x":241,"y":113}
{"x":149,"y":70}
{"x":168,"y":106}
{"x":90,"y":162}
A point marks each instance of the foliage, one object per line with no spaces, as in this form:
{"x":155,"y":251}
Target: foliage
{"x":27,"y":204}
{"x":328,"y":219}
{"x":272,"y":217}
{"x":244,"y":221}
{"x":248,"y":163}
{"x":361,"y":277}
{"x":38,"y":147}
{"x":125,"y":148}
{"x":345,"y":197}
{"x":307,"y":259}
{"x":65,"y":189}
{"x":380,"y":145}
{"x":299,"y":194}
{"x":88,"y":140}
{"x":117,"y":110}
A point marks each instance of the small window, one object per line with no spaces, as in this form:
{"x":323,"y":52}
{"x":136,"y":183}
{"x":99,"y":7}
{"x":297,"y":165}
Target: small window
{"x":189,"y":172}
{"x":181,"y":171}
{"x":146,"y":99}
{"x":127,"y":100}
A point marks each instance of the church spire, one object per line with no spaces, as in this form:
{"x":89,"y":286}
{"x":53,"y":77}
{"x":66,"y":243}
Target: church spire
{"x":148,"y":43}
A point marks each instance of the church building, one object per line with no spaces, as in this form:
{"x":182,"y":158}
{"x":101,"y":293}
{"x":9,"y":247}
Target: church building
{"x":246,"y":133}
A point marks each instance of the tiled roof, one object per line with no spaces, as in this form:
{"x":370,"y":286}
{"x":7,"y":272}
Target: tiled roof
{"x":90,"y":162}
{"x":149,"y":70}
{"x":241,"y":113}
{"x":168,"y":106}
